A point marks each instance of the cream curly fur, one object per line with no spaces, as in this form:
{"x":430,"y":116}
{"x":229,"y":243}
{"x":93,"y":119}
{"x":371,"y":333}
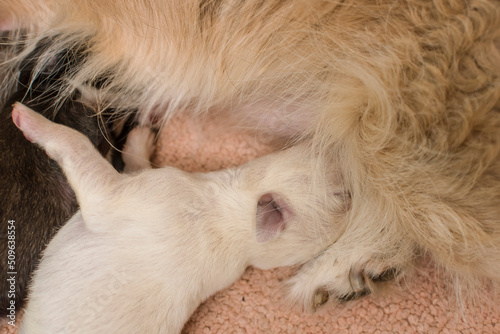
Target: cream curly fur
{"x":404,"y":92}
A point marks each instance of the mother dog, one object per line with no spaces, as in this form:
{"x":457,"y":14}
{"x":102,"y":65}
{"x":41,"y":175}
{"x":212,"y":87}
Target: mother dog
{"x":405,"y":92}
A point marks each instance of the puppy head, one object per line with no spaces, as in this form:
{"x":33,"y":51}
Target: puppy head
{"x":296,"y":216}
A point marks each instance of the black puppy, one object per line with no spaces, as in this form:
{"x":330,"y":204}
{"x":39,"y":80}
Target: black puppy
{"x":35,"y":198}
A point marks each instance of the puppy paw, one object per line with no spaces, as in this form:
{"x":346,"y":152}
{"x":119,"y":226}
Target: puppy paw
{"x":138,"y":149}
{"x":54,"y":138}
{"x":29,"y":122}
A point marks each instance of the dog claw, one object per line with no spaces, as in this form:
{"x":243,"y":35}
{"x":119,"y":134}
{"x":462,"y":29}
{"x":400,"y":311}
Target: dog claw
{"x":354,"y":295}
{"x":321,"y":296}
{"x":357,"y":280}
{"x":386,"y":276}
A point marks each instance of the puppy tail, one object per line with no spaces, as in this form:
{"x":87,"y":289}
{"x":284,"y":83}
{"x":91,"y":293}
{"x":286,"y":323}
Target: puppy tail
{"x":92,"y":178}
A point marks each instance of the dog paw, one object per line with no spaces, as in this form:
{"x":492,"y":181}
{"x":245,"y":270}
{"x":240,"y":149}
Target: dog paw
{"x":330,"y":279}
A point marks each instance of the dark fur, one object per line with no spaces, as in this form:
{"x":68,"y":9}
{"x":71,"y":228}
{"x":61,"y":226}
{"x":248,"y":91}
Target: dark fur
{"x":35,"y":192}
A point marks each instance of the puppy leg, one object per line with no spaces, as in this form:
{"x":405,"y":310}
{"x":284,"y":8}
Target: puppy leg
{"x":92,"y":178}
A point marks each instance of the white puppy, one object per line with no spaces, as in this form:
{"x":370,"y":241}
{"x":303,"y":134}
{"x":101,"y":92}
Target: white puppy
{"x":146,"y":249}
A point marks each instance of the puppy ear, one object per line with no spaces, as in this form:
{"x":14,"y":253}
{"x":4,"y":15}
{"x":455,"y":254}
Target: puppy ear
{"x":272,"y":216}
